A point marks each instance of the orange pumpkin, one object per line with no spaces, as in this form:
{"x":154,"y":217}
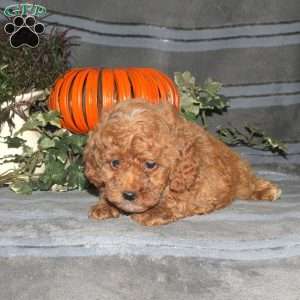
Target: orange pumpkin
{"x":82,"y":93}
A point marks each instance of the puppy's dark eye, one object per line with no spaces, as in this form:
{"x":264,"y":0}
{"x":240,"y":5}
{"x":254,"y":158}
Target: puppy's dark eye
{"x":150,"y":164}
{"x":115,"y":163}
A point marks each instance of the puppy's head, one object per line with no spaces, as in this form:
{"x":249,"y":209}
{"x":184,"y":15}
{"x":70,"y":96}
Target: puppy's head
{"x":131,"y":153}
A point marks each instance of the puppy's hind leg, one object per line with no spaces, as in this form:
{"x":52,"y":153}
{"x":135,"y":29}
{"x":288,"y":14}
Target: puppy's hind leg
{"x":251,"y":187}
{"x":265,"y":190}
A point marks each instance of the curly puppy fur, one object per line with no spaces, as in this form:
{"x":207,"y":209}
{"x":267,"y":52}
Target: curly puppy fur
{"x":148,"y":162}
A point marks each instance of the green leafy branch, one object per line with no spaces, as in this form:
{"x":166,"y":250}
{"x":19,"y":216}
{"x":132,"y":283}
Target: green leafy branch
{"x":56,"y":164}
{"x":201,"y":102}
{"x":251,"y":137}
{"x":197,"y":101}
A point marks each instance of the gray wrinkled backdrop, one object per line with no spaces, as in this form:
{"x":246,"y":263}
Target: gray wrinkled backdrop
{"x":252,"y":47}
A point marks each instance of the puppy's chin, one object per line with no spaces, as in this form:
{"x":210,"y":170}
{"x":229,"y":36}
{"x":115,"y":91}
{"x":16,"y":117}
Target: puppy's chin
{"x":132,"y":207}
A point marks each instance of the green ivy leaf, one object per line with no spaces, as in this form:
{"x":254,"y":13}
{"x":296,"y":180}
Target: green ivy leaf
{"x":53,"y":118}
{"x":44,"y":183}
{"x":33,"y":123}
{"x":60,"y":133}
{"x":188,"y":79}
{"x":21,"y":187}
{"x":58,"y":153}
{"x":75,"y":177}
{"x":14,"y":142}
{"x":40,"y":119}
{"x":197,"y":100}
{"x":76,"y":142}
{"x":212,"y":87}
{"x":188,"y":105}
{"x":56,"y":170}
{"x":46,"y":143}
{"x":62,"y":143}
{"x":190,"y":116}
{"x":184,"y":80}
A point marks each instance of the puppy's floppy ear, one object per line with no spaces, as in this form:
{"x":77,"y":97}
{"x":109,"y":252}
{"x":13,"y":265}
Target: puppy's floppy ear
{"x":103,"y":118}
{"x":169,"y":113}
{"x":92,"y":159}
{"x":186,"y":167}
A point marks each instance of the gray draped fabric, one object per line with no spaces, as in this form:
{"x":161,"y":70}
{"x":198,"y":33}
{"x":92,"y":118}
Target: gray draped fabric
{"x":252,"y":47}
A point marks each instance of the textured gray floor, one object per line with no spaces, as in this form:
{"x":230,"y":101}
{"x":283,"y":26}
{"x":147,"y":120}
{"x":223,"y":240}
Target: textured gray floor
{"x":50,"y":250}
{"x":142,"y":277}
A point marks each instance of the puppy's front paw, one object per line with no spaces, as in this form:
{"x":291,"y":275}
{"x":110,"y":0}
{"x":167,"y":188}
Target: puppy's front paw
{"x":103,"y":211}
{"x":144,"y":220}
{"x":151,"y":219}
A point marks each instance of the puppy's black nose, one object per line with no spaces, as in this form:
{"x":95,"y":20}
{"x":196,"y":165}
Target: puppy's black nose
{"x":130,"y":196}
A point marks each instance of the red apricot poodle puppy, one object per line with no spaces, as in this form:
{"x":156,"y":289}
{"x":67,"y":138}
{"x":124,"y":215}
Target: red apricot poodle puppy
{"x":150,"y":163}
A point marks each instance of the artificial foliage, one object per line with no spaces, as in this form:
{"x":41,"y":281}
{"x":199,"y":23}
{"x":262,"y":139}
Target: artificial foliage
{"x":25,"y":69}
{"x":197,"y":101}
{"x":204,"y":101}
{"x":251,"y":137}
{"x":55,"y":165}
